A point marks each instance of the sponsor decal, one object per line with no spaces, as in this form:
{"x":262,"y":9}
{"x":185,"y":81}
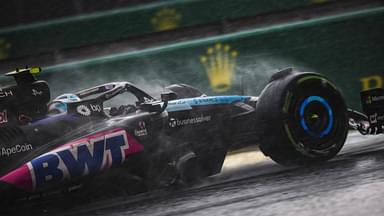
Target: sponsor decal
{"x":368,"y":100}
{"x":187,"y":104}
{"x":8,"y":151}
{"x":373,"y":118}
{"x":207,"y":100}
{"x":220,"y":65}
{"x":372,"y":99}
{"x":5,"y":93}
{"x":74,"y":160}
{"x":178,"y":105}
{"x":376,"y":118}
{"x":3,"y":117}
{"x":166,"y":19}
{"x":83,"y":110}
{"x":95,"y":107}
{"x":177,"y":102}
{"x":377,"y":98}
{"x":174,"y":122}
{"x":372,"y":82}
{"x":84,"y":157}
{"x":142,"y":130}
{"x":36,"y":92}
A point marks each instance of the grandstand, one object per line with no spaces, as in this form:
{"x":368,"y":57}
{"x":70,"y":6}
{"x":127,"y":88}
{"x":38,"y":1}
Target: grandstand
{"x":170,"y":40}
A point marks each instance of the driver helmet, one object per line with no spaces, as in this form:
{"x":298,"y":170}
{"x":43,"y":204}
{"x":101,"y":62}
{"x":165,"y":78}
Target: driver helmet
{"x":59,"y":104}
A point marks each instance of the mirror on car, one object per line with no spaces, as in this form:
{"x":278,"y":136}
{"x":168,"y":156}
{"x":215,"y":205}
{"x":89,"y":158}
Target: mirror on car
{"x":167,"y":96}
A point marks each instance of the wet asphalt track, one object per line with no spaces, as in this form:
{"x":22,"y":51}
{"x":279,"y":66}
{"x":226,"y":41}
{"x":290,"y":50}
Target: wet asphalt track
{"x":350,"y":184}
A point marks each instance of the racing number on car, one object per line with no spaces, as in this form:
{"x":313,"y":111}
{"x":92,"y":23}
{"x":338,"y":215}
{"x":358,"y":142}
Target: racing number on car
{"x":79,"y":160}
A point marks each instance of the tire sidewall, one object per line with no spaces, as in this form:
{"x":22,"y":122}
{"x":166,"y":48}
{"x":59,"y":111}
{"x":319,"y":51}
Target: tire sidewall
{"x":277,"y":107}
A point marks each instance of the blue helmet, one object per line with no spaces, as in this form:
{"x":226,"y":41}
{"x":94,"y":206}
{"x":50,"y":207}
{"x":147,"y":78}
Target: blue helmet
{"x":59,"y":104}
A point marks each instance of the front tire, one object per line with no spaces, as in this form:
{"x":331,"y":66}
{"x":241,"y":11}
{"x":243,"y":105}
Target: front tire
{"x":303,"y":118}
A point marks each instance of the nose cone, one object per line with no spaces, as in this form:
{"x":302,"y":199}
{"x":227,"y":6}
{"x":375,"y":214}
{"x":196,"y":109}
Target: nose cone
{"x":19,"y":178}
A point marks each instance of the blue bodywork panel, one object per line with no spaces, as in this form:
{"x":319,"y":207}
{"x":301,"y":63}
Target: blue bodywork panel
{"x":188,"y":103}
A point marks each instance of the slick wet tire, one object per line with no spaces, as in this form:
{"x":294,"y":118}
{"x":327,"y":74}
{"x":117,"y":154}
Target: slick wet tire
{"x":302,"y":118}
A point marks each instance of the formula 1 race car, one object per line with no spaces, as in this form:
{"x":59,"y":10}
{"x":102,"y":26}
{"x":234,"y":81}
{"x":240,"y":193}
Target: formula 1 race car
{"x":299,"y":119}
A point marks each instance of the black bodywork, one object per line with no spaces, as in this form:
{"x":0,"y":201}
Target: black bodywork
{"x":180,"y":138}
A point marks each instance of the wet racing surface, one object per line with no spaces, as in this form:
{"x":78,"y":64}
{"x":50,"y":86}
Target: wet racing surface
{"x":350,"y":184}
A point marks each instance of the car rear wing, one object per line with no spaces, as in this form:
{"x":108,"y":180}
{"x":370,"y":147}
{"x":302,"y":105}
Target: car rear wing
{"x":24,"y":101}
{"x":25,"y":75}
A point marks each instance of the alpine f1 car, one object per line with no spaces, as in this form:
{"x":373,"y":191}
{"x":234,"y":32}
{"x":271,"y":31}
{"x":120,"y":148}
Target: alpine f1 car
{"x":299,"y":118}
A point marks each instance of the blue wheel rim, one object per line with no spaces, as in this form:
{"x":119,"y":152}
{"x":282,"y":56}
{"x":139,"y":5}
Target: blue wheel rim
{"x":327,"y":130}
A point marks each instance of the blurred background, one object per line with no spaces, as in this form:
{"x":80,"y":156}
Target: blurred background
{"x":219,"y":46}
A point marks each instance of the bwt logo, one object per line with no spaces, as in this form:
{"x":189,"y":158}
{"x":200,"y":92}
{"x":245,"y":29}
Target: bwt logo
{"x":78,"y":160}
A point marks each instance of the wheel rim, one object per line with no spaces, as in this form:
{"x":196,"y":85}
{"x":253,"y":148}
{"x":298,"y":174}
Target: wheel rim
{"x":316,"y":116}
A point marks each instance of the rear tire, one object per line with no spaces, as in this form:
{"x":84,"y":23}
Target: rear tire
{"x":302,"y":117}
